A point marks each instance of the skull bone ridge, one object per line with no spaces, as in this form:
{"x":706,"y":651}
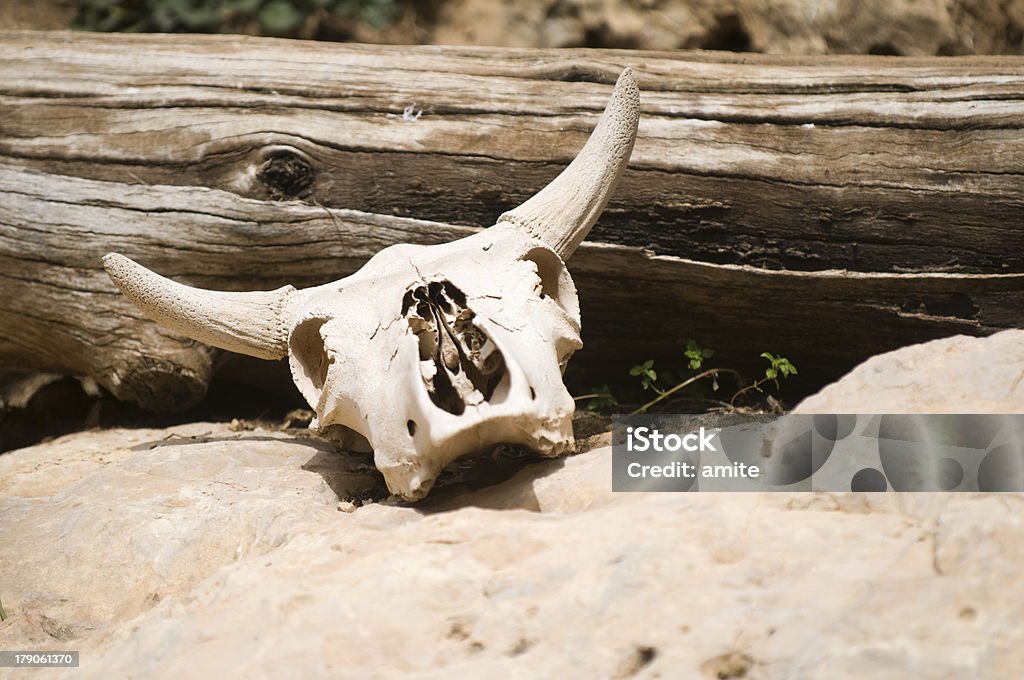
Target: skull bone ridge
{"x":429,"y":352}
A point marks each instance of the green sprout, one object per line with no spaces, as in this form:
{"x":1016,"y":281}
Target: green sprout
{"x":648,"y":376}
{"x":599,"y":398}
{"x":779,"y":365}
{"x":696,"y":355}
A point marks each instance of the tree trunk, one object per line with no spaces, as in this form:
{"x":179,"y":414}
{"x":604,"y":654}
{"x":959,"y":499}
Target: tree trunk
{"x":827,"y":209}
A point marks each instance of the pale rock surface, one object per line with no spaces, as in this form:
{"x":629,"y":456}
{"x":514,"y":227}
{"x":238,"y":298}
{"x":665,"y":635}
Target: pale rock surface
{"x":905,"y":27}
{"x":201,"y":552}
{"x":961,"y":374}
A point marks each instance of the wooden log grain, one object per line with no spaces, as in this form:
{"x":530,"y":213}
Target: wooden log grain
{"x":829,"y":209}
{"x":60,"y":312}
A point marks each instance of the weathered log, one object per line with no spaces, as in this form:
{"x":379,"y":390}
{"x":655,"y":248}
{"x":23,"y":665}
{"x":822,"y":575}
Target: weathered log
{"x":60,"y":312}
{"x":828,"y":210}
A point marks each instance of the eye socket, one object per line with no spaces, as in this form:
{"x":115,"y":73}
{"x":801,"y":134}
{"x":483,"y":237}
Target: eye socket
{"x":309,"y":355}
{"x":554,"y":279}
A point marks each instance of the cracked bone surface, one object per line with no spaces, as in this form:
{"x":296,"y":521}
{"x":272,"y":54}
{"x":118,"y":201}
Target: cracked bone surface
{"x":429,"y":353}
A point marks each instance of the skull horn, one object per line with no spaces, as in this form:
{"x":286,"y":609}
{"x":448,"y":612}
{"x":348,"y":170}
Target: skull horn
{"x":248,"y":323}
{"x":562,"y":213}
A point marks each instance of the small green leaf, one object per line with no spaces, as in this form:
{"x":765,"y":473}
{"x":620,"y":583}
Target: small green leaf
{"x":602,"y":399}
{"x":163,"y":19}
{"x":379,"y":14}
{"x":280,"y":17}
{"x":247,"y":6}
{"x":646,"y":373}
{"x":696,"y":355}
{"x":779,"y":365}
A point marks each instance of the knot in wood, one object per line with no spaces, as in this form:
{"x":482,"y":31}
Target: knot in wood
{"x":286,"y":174}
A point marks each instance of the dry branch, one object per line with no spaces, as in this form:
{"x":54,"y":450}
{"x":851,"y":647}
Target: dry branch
{"x":827,"y":210}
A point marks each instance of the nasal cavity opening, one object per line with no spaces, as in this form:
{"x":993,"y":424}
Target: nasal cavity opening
{"x":460,"y":364}
{"x":309,"y":356}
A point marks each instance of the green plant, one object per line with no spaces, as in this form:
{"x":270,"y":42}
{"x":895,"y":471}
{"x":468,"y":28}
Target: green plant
{"x":598,"y":399}
{"x":665,"y":394}
{"x":377,"y":13}
{"x":779,"y":367}
{"x":696,"y":355}
{"x":269,"y":17}
{"x":648,"y":376}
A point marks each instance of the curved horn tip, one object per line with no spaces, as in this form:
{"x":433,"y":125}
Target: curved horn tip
{"x":626,"y":98}
{"x":627,"y":79}
{"x":126,"y":273}
{"x":113,"y":261}
{"x":616,"y":130}
{"x":250,"y":323}
{"x":117,"y":265}
{"x":562,"y":213}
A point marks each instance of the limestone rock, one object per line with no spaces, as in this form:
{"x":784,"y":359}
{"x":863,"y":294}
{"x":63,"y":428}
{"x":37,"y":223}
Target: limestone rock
{"x":906,"y":27}
{"x":99,"y":526}
{"x":205,"y":553}
{"x":952,"y":375}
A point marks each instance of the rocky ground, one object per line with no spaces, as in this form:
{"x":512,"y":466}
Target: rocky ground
{"x":217,"y":550}
{"x":905,"y":27}
{"x":208,"y":550}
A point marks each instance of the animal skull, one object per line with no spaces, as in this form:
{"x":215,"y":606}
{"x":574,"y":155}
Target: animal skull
{"x":428,"y":353}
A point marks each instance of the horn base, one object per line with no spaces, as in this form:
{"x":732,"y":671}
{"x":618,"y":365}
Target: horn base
{"x":248,"y":323}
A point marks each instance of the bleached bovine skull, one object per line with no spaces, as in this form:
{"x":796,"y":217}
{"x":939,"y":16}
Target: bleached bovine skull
{"x":429,"y":352}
